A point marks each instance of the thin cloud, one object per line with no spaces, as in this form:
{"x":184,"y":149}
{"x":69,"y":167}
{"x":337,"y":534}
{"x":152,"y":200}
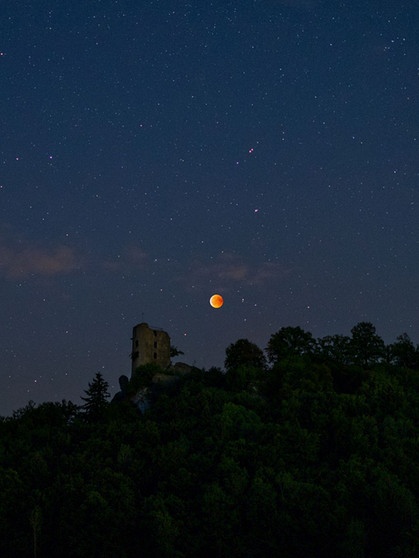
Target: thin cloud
{"x":269,"y":271}
{"x":19,"y":260}
{"x":230,"y":269}
{"x":131,"y":258}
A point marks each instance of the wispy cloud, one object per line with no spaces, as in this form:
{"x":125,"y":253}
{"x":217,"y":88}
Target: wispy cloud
{"x":23,"y":259}
{"x":130,"y":258}
{"x":230,"y":269}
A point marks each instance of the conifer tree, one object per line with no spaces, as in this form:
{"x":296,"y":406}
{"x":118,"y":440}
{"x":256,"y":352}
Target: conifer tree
{"x":97,"y":395}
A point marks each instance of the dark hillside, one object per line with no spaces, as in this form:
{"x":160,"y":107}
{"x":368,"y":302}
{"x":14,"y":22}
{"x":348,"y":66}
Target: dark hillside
{"x":312,"y":455}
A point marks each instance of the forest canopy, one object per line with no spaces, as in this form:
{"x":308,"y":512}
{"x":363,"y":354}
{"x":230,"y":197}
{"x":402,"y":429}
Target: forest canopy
{"x":308,"y":447}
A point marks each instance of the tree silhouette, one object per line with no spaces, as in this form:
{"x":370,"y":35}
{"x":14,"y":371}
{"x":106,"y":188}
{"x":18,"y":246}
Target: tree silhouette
{"x":366,"y":346}
{"x":334,"y":347}
{"x":312,"y":457}
{"x":289,"y":341}
{"x":244,"y":352}
{"x":403,"y":352}
{"x":174,"y":351}
{"x":97,"y":396}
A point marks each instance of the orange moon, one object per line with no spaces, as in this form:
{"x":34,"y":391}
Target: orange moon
{"x":216,"y":301}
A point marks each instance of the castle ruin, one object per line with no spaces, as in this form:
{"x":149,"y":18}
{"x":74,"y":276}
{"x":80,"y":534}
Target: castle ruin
{"x":149,"y":345}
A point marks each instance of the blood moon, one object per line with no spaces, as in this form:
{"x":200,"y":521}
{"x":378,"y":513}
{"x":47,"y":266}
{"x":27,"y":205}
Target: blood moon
{"x":216,"y":301}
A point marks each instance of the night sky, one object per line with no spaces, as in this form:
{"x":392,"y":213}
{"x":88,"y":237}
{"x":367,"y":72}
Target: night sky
{"x":153,"y":153}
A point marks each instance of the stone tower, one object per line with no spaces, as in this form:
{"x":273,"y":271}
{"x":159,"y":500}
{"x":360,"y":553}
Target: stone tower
{"x":149,"y":345}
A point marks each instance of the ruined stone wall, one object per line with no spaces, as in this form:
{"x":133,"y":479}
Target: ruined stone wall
{"x":149,"y":346}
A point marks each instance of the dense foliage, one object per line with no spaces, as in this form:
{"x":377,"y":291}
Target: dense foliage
{"x":315,"y":455}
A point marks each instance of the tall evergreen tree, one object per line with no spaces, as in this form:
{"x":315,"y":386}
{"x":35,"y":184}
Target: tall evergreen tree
{"x":97,"y":396}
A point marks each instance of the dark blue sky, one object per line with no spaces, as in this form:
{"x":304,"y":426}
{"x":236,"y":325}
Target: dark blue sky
{"x":153,"y":153}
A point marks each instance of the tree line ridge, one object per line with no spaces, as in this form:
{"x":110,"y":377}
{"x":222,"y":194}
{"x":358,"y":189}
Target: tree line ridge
{"x":307,"y":448}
